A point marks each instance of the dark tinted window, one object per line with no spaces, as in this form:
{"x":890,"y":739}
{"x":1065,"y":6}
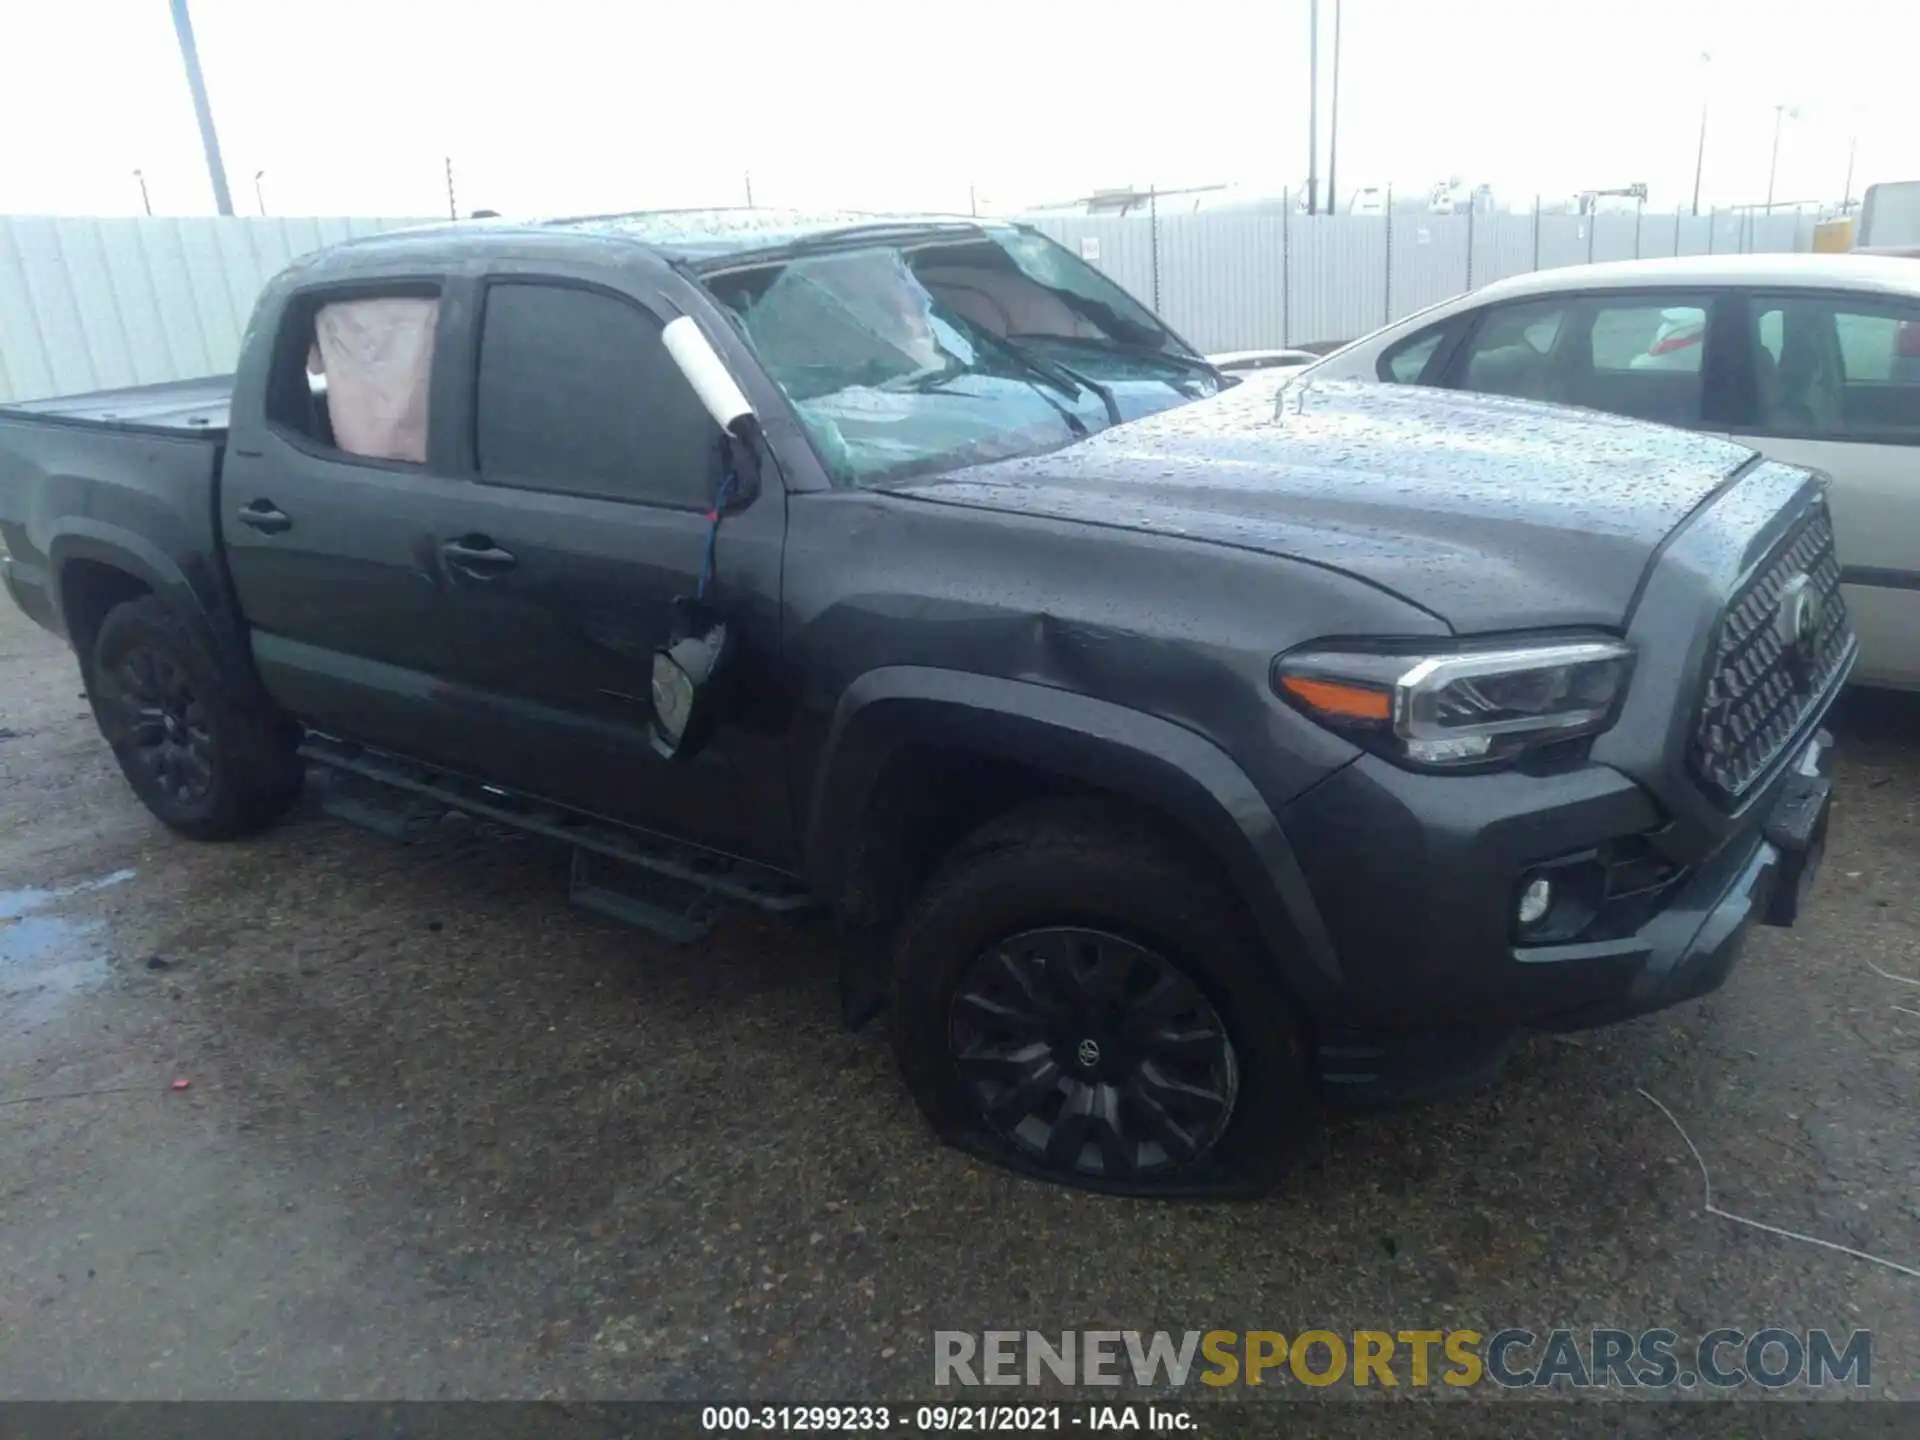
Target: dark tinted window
{"x":578,"y":394}
{"x":1629,"y":354}
{"x":1837,"y":368}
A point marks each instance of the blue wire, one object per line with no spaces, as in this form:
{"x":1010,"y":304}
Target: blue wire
{"x":720,"y":498}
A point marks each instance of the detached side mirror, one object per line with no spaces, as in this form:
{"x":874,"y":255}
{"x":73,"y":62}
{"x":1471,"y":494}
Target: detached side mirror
{"x":684,"y":670}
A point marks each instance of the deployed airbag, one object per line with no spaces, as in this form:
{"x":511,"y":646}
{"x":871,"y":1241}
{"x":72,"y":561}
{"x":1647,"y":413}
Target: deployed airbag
{"x":377,"y":355}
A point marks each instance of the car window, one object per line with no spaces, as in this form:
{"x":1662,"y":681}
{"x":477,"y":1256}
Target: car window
{"x":1628,"y":354}
{"x":352,"y":375}
{"x":576,"y":393}
{"x":1407,"y":361}
{"x":1837,"y":368}
{"x":1511,"y":351}
{"x":1648,"y":337}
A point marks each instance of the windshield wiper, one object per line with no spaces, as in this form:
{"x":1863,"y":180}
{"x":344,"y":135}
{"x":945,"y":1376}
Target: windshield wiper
{"x":1055,"y":371}
{"x":1087,"y":382}
{"x":1178,"y":358}
{"x":1056,"y":375}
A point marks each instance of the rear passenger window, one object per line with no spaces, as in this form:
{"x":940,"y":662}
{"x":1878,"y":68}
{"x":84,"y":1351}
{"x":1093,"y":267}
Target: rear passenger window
{"x":1407,"y":361}
{"x":577,"y":394}
{"x":1639,"y":355}
{"x":1649,"y":337}
{"x":352,"y":374}
{"x":1511,"y":352}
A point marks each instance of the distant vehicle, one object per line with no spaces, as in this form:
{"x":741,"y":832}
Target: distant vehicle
{"x":1235,"y":362}
{"x":1813,"y":359}
{"x":1890,"y":220}
{"x":1675,"y":342}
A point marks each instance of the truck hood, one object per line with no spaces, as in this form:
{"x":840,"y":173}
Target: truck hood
{"x":1491,"y":514}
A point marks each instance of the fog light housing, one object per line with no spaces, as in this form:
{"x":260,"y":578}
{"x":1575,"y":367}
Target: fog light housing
{"x":1536,"y":899}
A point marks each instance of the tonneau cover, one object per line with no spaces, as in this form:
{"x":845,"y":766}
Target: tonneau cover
{"x":195,"y":407}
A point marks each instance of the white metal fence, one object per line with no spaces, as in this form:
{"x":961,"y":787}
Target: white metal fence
{"x":95,"y":304}
{"x":1233,"y":282}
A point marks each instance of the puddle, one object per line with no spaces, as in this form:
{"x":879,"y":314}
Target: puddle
{"x":44,"y":959}
{"x":16,"y":903}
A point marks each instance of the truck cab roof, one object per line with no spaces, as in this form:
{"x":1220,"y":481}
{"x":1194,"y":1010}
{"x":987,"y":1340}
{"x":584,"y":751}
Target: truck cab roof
{"x":697,"y":240}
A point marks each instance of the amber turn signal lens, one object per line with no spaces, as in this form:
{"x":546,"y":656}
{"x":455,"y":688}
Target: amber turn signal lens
{"x":1331,"y":697}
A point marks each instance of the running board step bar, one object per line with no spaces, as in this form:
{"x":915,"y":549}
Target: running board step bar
{"x":673,"y":895}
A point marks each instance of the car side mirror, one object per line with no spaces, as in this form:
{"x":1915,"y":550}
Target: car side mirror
{"x":684,"y":671}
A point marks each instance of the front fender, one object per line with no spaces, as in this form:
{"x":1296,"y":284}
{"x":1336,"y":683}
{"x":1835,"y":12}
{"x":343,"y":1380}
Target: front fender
{"x":1160,"y":765}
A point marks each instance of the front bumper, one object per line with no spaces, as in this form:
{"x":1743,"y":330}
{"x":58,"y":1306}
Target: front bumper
{"x":1416,"y":877}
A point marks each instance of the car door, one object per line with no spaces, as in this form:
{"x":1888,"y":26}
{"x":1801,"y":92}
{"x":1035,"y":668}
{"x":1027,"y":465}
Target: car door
{"x":1835,"y":384}
{"x":330,"y":531}
{"x":594,"y":469}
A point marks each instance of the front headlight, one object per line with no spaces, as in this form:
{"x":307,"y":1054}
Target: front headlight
{"x":1460,"y":708}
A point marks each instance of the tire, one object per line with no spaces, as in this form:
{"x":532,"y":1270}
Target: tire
{"x":208,"y":763}
{"x":1077,"y":916}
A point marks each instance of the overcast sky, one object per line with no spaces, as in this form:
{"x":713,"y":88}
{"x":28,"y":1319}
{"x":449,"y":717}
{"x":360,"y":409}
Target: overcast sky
{"x":554,"y":106}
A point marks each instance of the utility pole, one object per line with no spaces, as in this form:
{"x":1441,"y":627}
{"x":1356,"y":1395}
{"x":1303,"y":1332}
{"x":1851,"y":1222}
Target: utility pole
{"x":209,"y":141}
{"x":1846,"y":200}
{"x":140,"y":179}
{"x":1333,"y":123}
{"x":1779,"y":112}
{"x":1700,"y":158}
{"x":1313,"y":108}
{"x":748,"y":176}
{"x":453,"y":210}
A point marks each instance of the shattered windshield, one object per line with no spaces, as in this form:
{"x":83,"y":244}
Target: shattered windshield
{"x":906,"y":360}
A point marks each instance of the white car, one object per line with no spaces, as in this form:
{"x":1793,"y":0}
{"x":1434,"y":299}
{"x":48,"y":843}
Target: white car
{"x":1813,"y":359}
{"x":1239,"y":362}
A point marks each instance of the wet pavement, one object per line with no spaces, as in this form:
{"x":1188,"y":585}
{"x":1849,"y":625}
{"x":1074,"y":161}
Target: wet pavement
{"x":444,"y":1136}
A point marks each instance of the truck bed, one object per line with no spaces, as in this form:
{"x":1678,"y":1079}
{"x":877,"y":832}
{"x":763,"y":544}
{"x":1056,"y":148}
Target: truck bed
{"x":193,"y":407}
{"x":129,"y":472}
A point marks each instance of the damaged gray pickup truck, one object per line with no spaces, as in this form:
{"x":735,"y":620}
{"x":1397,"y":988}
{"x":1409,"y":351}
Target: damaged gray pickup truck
{"x":1175,"y":754}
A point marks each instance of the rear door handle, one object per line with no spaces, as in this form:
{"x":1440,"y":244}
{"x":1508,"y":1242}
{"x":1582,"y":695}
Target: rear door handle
{"x":265,"y":516}
{"x":477,"y":556}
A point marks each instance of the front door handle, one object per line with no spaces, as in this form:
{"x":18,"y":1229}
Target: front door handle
{"x":265,"y":516}
{"x":477,"y":556}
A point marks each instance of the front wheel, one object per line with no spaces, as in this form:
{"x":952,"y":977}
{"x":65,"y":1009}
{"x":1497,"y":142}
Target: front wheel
{"x":210,"y":764}
{"x":1074,"y":996}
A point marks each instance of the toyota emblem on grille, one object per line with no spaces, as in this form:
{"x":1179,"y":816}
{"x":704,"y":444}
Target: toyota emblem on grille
{"x":1798,"y":622}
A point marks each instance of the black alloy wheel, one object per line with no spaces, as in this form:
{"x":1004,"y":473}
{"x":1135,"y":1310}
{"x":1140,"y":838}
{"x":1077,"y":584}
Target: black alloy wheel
{"x":1093,"y":1055}
{"x":159,"y":723}
{"x":210,"y":757}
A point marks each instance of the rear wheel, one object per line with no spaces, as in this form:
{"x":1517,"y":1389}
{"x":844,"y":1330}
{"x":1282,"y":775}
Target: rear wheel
{"x":1076,"y":997}
{"x":208,"y":763}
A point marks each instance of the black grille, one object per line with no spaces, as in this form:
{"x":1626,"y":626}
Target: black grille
{"x":1761,"y":685}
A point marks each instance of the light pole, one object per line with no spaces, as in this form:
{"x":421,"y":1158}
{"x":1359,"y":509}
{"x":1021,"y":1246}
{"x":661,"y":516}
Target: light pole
{"x":1333,"y":123}
{"x":203,"y":112}
{"x":140,"y":179}
{"x":1779,"y":112}
{"x":1700,"y":157}
{"x":259,"y":195}
{"x":1846,"y":199}
{"x":1313,"y":108}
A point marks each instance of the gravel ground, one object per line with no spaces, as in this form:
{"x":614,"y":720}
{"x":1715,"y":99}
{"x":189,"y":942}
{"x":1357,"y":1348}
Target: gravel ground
{"x":446,"y":1136}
